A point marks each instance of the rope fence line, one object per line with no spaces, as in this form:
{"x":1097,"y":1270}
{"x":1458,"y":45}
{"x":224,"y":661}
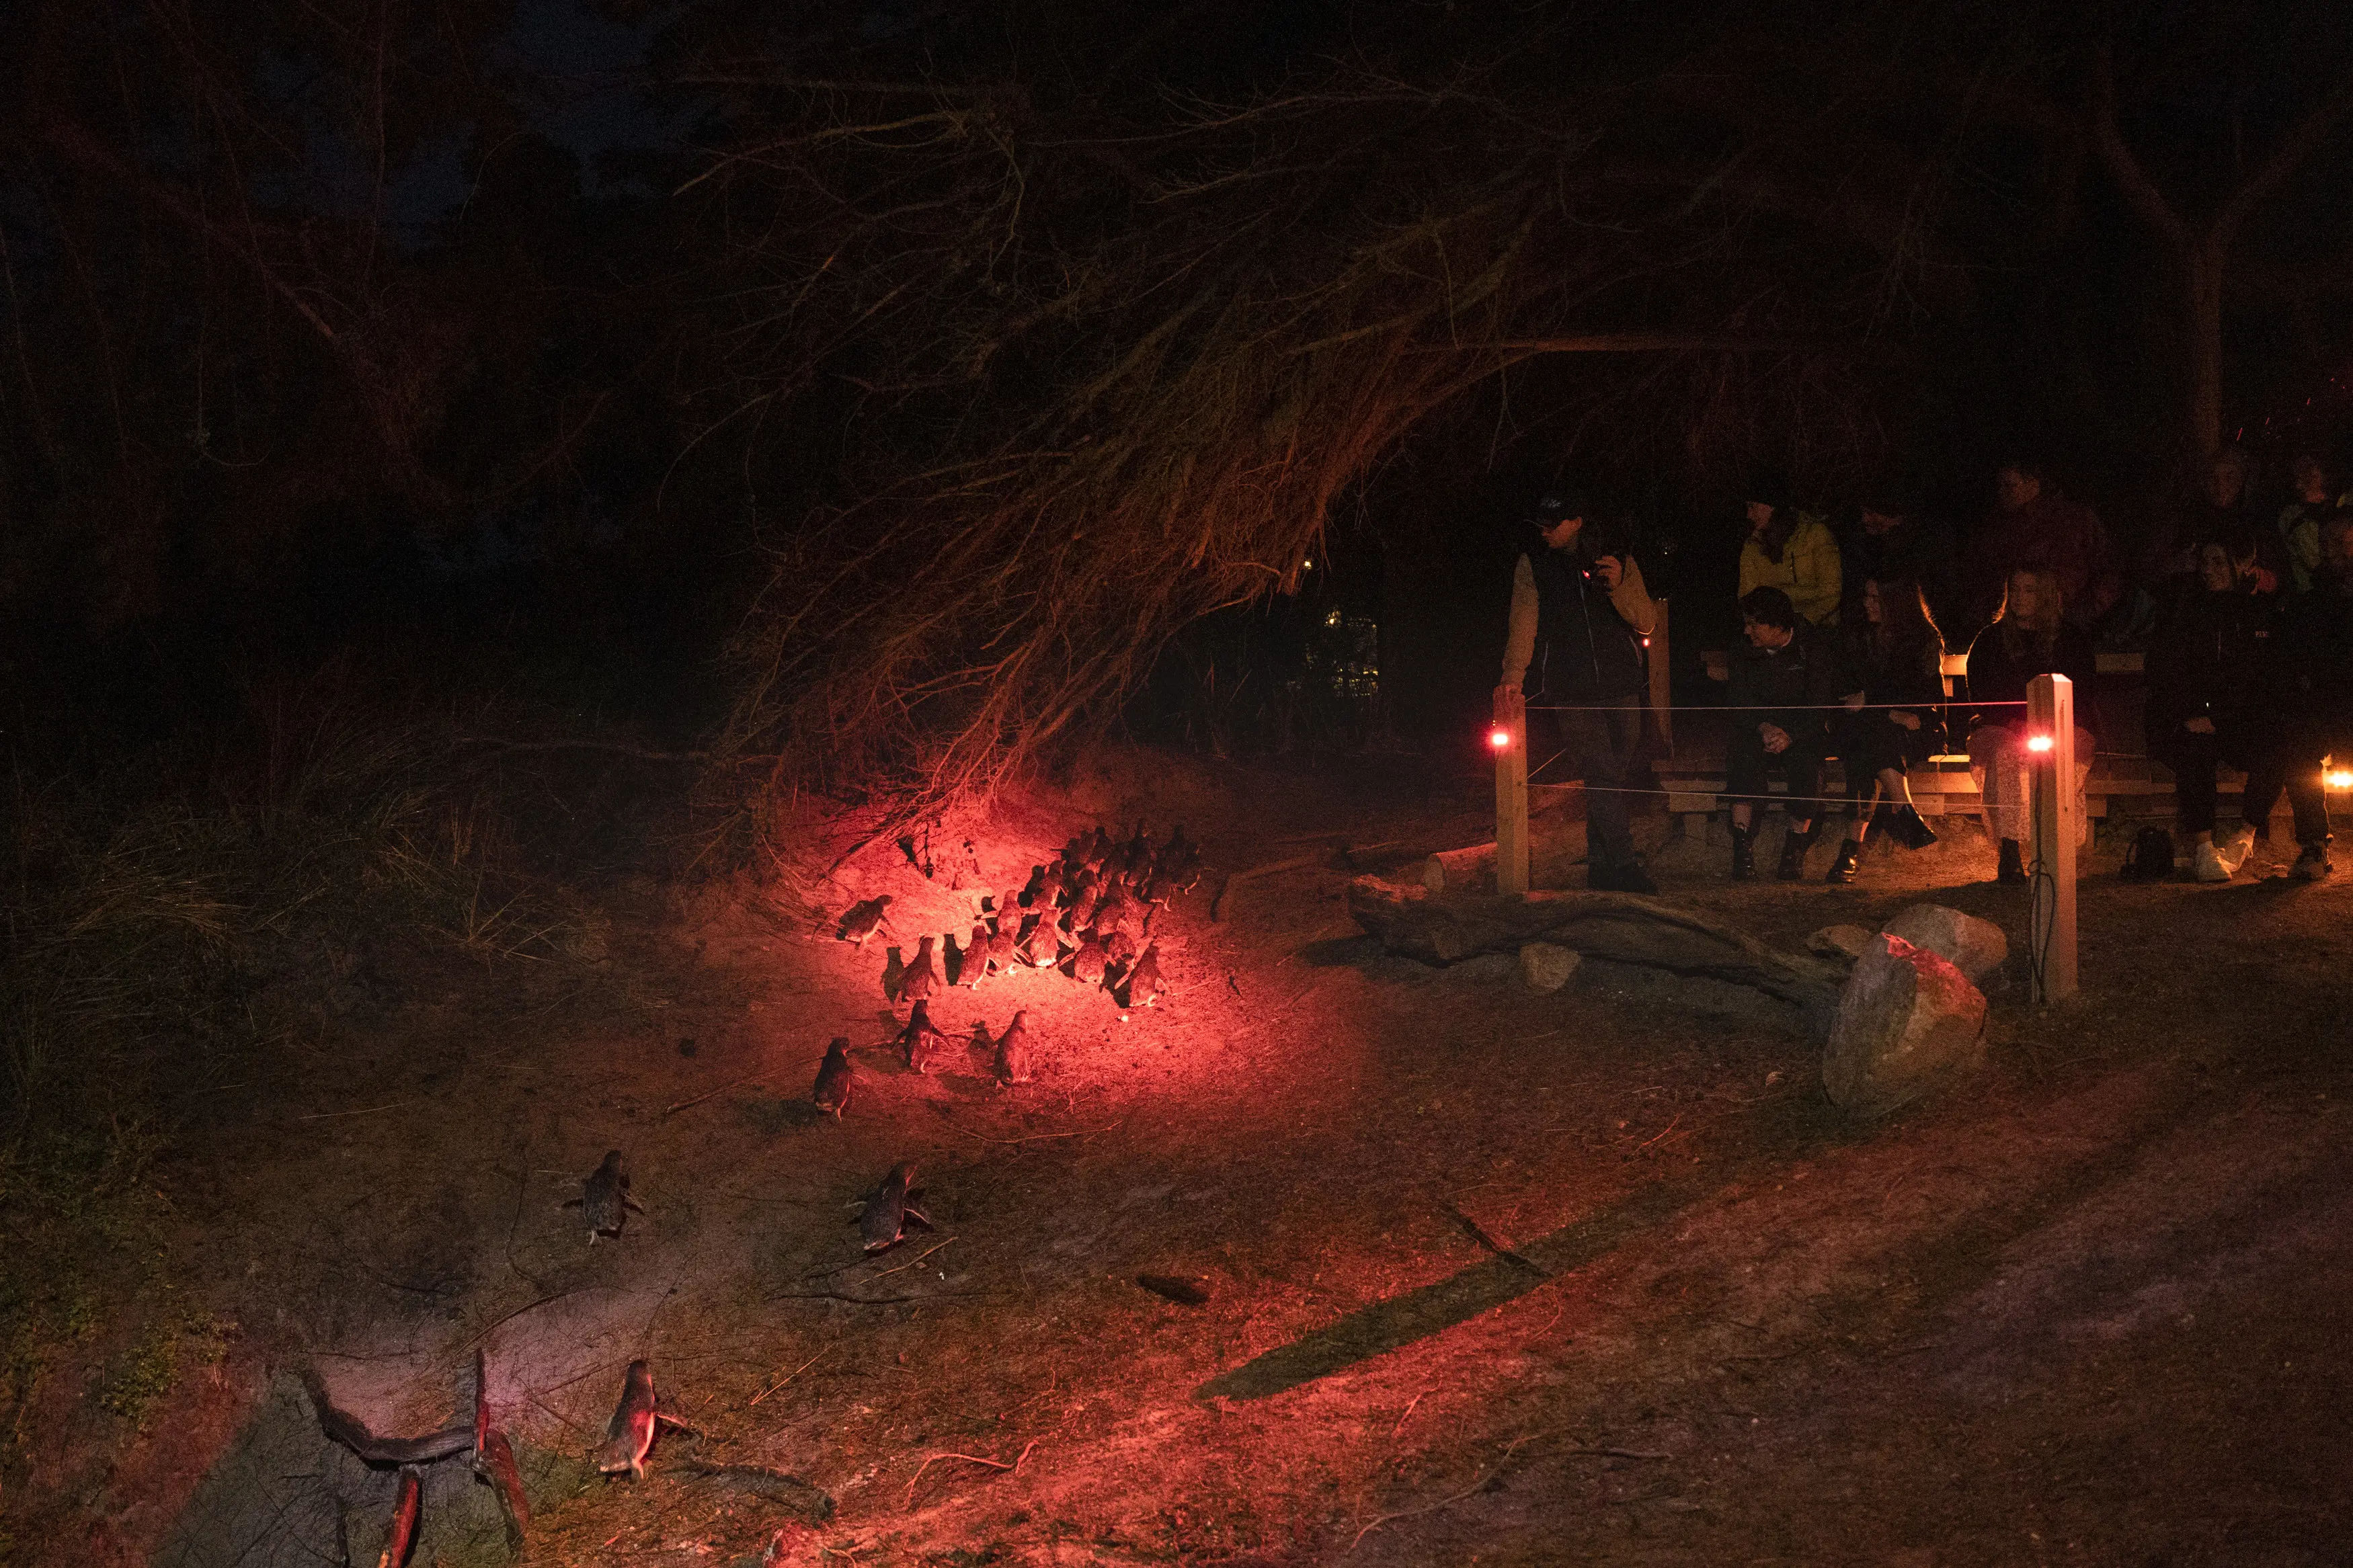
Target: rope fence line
{"x":1939,"y":705}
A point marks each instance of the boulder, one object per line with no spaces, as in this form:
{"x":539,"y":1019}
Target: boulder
{"x":1975,"y":947}
{"x":1907,"y":1022}
{"x":1546,"y":966}
{"x":1842,"y":943}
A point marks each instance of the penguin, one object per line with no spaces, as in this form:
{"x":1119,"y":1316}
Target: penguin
{"x":884,"y":1221}
{"x":1087,"y":963}
{"x":1119,"y":947}
{"x":834,"y":1078}
{"x":863,"y":918}
{"x":894,"y":974}
{"x":1178,"y":862}
{"x":1136,"y":851}
{"x":1143,"y":983}
{"x":604,"y":1201}
{"x":978,"y":954}
{"x":1044,"y":947}
{"x":629,"y":1434}
{"x":921,"y":1039}
{"x":922,"y":976}
{"x":1013,"y":1050}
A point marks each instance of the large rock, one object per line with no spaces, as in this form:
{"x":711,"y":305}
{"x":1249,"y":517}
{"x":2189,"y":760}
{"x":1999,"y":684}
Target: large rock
{"x":1907,"y":1022}
{"x":1626,"y":927}
{"x":1975,"y":947}
{"x":1546,"y":966}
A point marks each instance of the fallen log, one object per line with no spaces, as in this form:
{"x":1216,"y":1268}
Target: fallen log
{"x":1629,"y":928}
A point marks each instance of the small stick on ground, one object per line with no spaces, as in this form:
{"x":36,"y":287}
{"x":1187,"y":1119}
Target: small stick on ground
{"x":969,"y":1458}
{"x":786,"y":1378}
{"x":913,"y":1261}
{"x":1488,"y":1474}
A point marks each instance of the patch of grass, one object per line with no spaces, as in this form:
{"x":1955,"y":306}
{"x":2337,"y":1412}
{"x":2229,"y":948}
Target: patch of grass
{"x":142,"y":1373}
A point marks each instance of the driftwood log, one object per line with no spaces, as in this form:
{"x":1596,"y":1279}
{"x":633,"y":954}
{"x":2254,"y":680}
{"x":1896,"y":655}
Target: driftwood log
{"x":1621,"y":926}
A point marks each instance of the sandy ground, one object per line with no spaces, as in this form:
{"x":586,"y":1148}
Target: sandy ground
{"x":2089,"y":1308}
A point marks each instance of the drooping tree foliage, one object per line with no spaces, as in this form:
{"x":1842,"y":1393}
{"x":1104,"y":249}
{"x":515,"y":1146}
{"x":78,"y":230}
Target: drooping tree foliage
{"x":1022,"y":335}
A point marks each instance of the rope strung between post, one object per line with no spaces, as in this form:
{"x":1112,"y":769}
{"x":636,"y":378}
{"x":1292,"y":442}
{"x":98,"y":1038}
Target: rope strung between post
{"x":1767,"y":707}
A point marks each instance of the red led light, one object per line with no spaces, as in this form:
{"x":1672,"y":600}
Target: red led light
{"x":2038,"y":742}
{"x":1498,"y":738}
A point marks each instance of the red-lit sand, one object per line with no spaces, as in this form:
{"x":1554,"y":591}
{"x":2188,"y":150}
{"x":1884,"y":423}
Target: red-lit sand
{"x":2092,"y":1310}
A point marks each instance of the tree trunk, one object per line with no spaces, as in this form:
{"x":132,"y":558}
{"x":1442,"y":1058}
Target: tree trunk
{"x":2202,"y":268}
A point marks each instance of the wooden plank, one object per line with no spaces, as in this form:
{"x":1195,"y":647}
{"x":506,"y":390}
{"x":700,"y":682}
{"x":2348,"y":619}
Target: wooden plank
{"x":2051,"y":854}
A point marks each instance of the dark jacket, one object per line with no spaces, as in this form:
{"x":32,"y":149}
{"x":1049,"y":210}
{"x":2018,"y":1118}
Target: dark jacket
{"x":2000,"y":669}
{"x":1795,"y":688}
{"x":1584,"y":650}
{"x":2206,"y":658}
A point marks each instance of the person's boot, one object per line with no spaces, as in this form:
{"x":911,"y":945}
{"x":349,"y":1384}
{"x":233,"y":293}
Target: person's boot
{"x":2312,"y":864}
{"x":1911,"y":831}
{"x":1743,"y":856}
{"x":1841,"y":869}
{"x":1631,"y":878}
{"x":2013,"y":866}
{"x":1882,"y":823}
{"x":1600,"y":876}
{"x":1793,"y":855}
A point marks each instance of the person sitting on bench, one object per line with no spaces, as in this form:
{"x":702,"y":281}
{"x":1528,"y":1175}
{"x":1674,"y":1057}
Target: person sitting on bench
{"x":2029,"y":637}
{"x":2312,"y":660}
{"x":2205,"y":705}
{"x":1895,"y":654}
{"x":1785,"y":686}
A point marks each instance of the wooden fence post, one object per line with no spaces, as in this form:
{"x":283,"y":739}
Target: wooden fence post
{"x":2057,"y":824}
{"x":1510,"y":740}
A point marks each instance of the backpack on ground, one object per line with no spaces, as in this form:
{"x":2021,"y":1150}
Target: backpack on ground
{"x":2150,"y":859}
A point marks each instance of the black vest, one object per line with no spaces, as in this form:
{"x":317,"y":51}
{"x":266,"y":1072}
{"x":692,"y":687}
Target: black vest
{"x":1584,"y":650}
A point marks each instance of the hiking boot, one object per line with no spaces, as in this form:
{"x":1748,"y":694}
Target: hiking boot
{"x":1601,"y":877}
{"x":1743,"y":856}
{"x":2206,"y":865}
{"x":2312,"y":866}
{"x":1628,"y":877}
{"x":1793,"y":856}
{"x":1841,"y":869}
{"x":2012,"y":870}
{"x":1911,"y":831}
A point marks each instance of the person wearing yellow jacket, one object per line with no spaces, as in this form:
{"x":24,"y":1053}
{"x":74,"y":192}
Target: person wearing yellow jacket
{"x":1792,"y":551}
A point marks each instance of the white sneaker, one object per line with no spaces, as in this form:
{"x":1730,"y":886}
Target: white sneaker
{"x":2208,"y":866}
{"x":2235,"y":848}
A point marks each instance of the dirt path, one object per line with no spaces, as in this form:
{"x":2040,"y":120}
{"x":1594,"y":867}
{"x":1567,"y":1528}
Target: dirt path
{"x":2091,"y":1310}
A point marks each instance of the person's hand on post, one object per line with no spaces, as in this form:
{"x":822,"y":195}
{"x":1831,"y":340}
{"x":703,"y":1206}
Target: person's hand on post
{"x":1611,"y":570}
{"x":1909,"y":721}
{"x":1776,"y":738}
{"x":2201,"y":725}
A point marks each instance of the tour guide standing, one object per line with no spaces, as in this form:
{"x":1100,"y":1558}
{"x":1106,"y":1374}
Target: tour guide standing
{"x":1579,"y":614}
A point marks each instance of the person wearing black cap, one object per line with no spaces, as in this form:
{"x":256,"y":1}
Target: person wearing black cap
{"x":1574,"y":647}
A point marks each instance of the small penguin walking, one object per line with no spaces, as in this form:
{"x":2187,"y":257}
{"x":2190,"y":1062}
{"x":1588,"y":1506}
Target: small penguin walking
{"x":863,"y":919}
{"x":604,"y":1201}
{"x":834,"y":1078}
{"x":921,"y":1039}
{"x":629,"y":1434}
{"x":922,"y":976}
{"x":883,"y":1225}
{"x":1013,"y":1050}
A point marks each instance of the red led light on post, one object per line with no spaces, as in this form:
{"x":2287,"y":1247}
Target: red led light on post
{"x":2038,"y":742}
{"x":2340,"y":778}
{"x":1498,"y":738}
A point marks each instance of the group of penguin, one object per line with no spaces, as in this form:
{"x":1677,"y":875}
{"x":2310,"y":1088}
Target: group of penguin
{"x":1089,"y":912}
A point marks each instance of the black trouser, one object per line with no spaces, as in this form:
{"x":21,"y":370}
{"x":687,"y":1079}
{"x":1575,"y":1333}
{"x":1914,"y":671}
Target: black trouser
{"x":1597,"y":742}
{"x":2249,"y":745}
{"x":2302,"y":746}
{"x":1747,"y":767}
{"x":1871,"y":741}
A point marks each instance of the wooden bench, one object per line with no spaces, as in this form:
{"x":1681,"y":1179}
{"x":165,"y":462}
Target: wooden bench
{"x":2125,"y":788}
